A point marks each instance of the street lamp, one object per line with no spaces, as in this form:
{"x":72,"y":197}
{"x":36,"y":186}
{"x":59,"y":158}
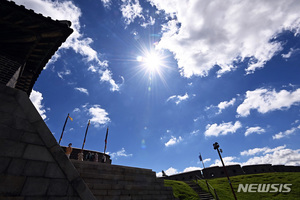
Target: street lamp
{"x":216,"y":147}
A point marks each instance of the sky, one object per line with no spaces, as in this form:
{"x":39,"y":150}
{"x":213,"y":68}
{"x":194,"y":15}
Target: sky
{"x":170,"y":78}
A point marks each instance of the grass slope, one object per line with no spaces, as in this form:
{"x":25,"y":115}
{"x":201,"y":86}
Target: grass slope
{"x":181,"y":190}
{"x":224,"y":192}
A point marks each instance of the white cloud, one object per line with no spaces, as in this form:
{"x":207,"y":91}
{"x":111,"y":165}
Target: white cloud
{"x":83,"y":90}
{"x":265,"y":100}
{"x":202,"y":34}
{"x":168,"y":172}
{"x":222,"y":129}
{"x":178,"y":99}
{"x":256,"y":129}
{"x":131,"y":9}
{"x":277,"y":156}
{"x":227,"y":161}
{"x":223,"y":105}
{"x":106,"y":3}
{"x":99,"y":115}
{"x":107,"y":76}
{"x":189,"y":169}
{"x":290,"y":53}
{"x":63,"y":73}
{"x":264,"y":150}
{"x":285,"y":133}
{"x":36,"y":98}
{"x":150,"y":22}
{"x":121,"y":153}
{"x":173,"y":141}
{"x":206,"y":160}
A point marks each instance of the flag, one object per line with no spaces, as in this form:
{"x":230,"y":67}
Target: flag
{"x":70,"y":118}
{"x":200,"y":157}
{"x":106,"y":139}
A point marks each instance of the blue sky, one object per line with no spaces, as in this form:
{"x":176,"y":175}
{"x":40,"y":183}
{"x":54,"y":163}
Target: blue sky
{"x":170,"y":78}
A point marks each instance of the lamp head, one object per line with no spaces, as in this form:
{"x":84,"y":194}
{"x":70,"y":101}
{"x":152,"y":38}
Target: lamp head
{"x":216,"y":145}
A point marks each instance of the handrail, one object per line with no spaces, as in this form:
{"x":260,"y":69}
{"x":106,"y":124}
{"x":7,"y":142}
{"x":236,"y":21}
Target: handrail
{"x":209,"y":187}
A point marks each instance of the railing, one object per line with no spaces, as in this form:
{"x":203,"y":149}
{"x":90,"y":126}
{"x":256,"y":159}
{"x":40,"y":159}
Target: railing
{"x":209,"y":187}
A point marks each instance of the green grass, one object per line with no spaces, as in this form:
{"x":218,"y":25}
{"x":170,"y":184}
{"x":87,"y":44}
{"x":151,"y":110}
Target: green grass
{"x":224,"y":192}
{"x":181,"y":190}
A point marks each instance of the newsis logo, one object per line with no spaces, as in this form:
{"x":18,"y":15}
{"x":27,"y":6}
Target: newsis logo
{"x":265,"y":188}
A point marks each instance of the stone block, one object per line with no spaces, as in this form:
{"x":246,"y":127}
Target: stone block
{"x":35,"y":168}
{"x":58,"y":187}
{"x":27,"y":107}
{"x":64,"y":163}
{"x":12,"y":198}
{"x":11,"y":185}
{"x":82,"y":189}
{"x":7,"y":119}
{"x":10,"y":133}
{"x":114,"y":192}
{"x":16,"y":166}
{"x":100,"y":192}
{"x":58,"y":198}
{"x":10,"y":148}
{"x":37,"y":152}
{"x":35,"y":186}
{"x":54,"y":171}
{"x":4,"y":162}
{"x":23,"y":124}
{"x":8,"y":90}
{"x":7,"y":103}
{"x":32,"y":138}
{"x":45,"y":134}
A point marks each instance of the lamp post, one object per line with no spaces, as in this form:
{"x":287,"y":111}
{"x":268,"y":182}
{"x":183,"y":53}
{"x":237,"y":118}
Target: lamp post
{"x":216,"y":147}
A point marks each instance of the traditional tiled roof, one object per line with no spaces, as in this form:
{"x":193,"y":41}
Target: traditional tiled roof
{"x":27,"y":42}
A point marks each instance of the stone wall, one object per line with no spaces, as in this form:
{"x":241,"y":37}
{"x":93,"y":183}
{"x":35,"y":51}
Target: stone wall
{"x":185,"y":176}
{"x":32,"y":164}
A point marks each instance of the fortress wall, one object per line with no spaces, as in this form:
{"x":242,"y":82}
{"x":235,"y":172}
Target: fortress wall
{"x":255,"y":169}
{"x":185,"y":176}
{"x":32,"y":164}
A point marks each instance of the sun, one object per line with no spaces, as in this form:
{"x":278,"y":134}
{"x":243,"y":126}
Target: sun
{"x":151,"y":61}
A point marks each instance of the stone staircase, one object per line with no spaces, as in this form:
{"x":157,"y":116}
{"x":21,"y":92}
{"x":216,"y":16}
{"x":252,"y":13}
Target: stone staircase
{"x":202,"y":194}
{"x":114,"y":182}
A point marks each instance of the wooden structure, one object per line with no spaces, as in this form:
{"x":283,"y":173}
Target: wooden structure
{"x":27,"y":42}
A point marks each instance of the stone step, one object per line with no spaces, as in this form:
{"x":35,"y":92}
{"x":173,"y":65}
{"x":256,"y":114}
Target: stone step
{"x":136,"y":197}
{"x":117,"y":177}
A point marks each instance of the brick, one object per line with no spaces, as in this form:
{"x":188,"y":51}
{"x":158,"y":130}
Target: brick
{"x":37,"y":152}
{"x":82,"y":189}
{"x":35,"y":186}
{"x":58,"y":187}
{"x":45,"y":134}
{"x":16,"y":166}
{"x":12,"y":198}
{"x":35,"y":168}
{"x":64,"y":163}
{"x":27,"y":107}
{"x":54,"y":171}
{"x":32,"y":138}
{"x":7,"y":103}
{"x":4,"y":162}
{"x":6,"y":119}
{"x":11,"y":185}
{"x":10,"y":133}
{"x":10,"y":148}
{"x":23,"y":124}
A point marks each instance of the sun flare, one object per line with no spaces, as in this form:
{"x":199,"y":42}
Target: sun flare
{"x":151,"y":61}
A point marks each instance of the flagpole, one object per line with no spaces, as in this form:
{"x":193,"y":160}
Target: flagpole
{"x":87,"y":128}
{"x":200,"y":157}
{"x":62,"y":133}
{"x":105,"y":140}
